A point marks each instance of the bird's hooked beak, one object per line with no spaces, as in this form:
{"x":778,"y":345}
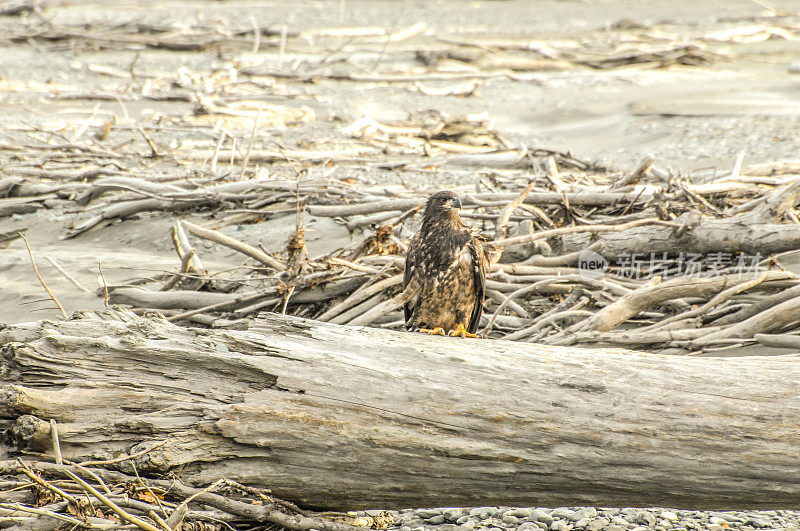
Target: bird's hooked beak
{"x":455,"y":202}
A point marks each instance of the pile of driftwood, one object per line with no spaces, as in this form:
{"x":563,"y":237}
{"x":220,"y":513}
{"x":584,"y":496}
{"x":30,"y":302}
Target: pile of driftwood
{"x":691,"y":265}
{"x":92,"y":495}
{"x":690,"y":262}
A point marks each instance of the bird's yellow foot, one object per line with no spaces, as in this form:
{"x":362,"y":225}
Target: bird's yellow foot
{"x":460,"y":331}
{"x":438,"y":331}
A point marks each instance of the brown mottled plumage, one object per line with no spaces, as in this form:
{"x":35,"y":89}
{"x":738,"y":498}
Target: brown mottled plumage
{"x":445,"y":277}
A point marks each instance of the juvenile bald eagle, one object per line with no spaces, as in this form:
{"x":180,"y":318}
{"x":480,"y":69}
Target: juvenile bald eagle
{"x":445,"y":277}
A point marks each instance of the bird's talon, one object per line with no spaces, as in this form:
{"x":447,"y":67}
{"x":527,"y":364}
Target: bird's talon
{"x":438,"y":331}
{"x":460,"y":331}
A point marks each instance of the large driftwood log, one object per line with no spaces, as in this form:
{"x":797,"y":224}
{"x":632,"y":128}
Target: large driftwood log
{"x":345,"y":417}
{"x":701,"y":236}
{"x":755,"y":231}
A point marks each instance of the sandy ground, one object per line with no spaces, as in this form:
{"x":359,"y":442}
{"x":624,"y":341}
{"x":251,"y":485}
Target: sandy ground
{"x":692,"y":118}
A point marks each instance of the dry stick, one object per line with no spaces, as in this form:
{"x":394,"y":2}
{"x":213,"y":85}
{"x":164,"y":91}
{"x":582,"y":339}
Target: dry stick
{"x":551,"y":169}
{"x":219,"y":306}
{"x":561,"y":260}
{"x":286,"y":299}
{"x":581,"y":228}
{"x":119,"y":511}
{"x":56,"y":444}
{"x":50,"y":514}
{"x":361,"y":221}
{"x":177,"y":516}
{"x":184,"y":270}
{"x":52,"y":488}
{"x":105,"y":285}
{"x":502,"y":219}
{"x":717,"y":299}
{"x":124,"y":457}
{"x":36,"y":270}
{"x":737,"y":166}
{"x":181,"y":509}
{"x":630,"y":205}
{"x":546,"y":318}
{"x":252,"y":141}
{"x":256,"y":34}
{"x":756,"y":307}
{"x":524,"y":291}
{"x":282,"y":45}
{"x":160,"y":521}
{"x":261,"y":513}
{"x":584,"y":197}
{"x":353,"y":265}
{"x":182,"y":246}
{"x":577,"y":298}
{"x":778,"y":340}
{"x":634,"y":177}
{"x":677,"y":338}
{"x":69,"y":277}
{"x":556,"y":317}
{"x":150,"y":491}
{"x":359,"y":295}
{"x":94,"y":476}
{"x":360,"y":310}
{"x":399,"y":243}
{"x":10,"y":517}
{"x":215,"y":157}
{"x":187,"y":254}
{"x":378,"y":311}
{"x":262,"y":493}
{"x":772,"y":319}
{"x":257,"y":306}
{"x":227,"y":241}
{"x":498,"y":297}
{"x":233,"y":155}
{"x":693,"y":196}
{"x":149,"y":142}
{"x":405,"y":215}
{"x":650,"y":295}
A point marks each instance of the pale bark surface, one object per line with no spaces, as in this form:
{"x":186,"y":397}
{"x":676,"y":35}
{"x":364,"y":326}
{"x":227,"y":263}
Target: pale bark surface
{"x":709,"y":235}
{"x":753,"y":232}
{"x":346,"y":417}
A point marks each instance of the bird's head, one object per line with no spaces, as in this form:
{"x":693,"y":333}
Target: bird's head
{"x":442,"y":207}
{"x":442,"y":203}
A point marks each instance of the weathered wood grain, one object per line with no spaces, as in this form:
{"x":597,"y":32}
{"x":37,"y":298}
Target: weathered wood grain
{"x":345,"y":417}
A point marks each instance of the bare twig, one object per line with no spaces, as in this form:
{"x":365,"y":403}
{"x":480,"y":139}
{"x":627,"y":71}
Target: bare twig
{"x":551,"y":171}
{"x":69,"y":277}
{"x":157,"y":519}
{"x":502,"y":220}
{"x":124,"y":457}
{"x":581,"y":228}
{"x":91,"y":473}
{"x":636,"y":175}
{"x":150,"y":143}
{"x":39,"y":481}
{"x":119,"y":511}
{"x":233,"y":243}
{"x":50,"y":514}
{"x":56,"y":444}
{"x":252,"y":141}
{"x":105,"y":285}
{"x":41,"y":280}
